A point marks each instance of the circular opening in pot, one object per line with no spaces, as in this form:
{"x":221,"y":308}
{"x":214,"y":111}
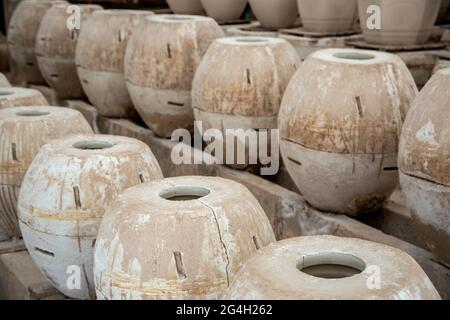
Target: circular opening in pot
{"x":353,"y":56}
{"x":32,"y":113}
{"x":6,"y":93}
{"x":178,"y":18}
{"x":93,"y":145}
{"x":184,"y":193}
{"x":331,"y":265}
{"x":251,"y":40}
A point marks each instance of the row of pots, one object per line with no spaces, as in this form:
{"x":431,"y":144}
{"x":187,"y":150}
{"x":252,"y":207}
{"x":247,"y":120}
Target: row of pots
{"x":325,"y":16}
{"x":99,"y":203}
{"x":166,"y":68}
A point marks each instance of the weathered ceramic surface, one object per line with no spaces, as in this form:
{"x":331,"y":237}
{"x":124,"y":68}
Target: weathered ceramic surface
{"x":345,"y":107}
{"x":160,"y":63}
{"x":151,"y":247}
{"x":424,"y":161}
{"x":4,"y":81}
{"x":251,"y":74}
{"x":16,"y":96}
{"x":99,"y":58}
{"x":224,"y":10}
{"x":275,"y":13}
{"x":275,"y":272}
{"x":185,"y":6}
{"x":64,"y":195}
{"x":55,"y":49}
{"x":22,"y":31}
{"x":328,"y":15}
{"x":23,"y":130}
{"x":402,"y":22}
{"x":245,"y":91}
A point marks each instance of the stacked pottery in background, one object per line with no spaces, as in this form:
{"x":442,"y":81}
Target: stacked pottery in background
{"x":21,"y":97}
{"x":329,"y":268}
{"x":178,"y":238}
{"x":246,"y":87}
{"x":402,"y":22}
{"x":160,"y":62}
{"x":424,"y":163}
{"x":185,"y":6}
{"x":340,"y":122}
{"x":275,"y":13}
{"x":55,"y":50}
{"x":100,"y":60}
{"x":22,"y":31}
{"x":64,"y":195}
{"x":328,"y":15}
{"x":224,"y":10}
{"x":23,"y":130}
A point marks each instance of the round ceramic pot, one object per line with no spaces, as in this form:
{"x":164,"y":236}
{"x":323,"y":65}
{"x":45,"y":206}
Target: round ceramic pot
{"x":424,"y":166}
{"x":340,"y":122}
{"x":400,"y":22}
{"x":328,"y":15}
{"x":23,"y":131}
{"x":275,"y":13}
{"x":224,"y":10}
{"x":331,"y":268}
{"x":64,"y":195}
{"x":178,"y":238}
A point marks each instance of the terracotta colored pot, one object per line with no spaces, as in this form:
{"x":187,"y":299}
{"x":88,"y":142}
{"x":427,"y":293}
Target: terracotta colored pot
{"x":247,"y":85}
{"x":224,"y":10}
{"x":22,"y":31}
{"x":55,"y":50}
{"x":4,"y":81}
{"x":99,"y":58}
{"x":340,"y":122}
{"x":275,"y":13}
{"x":160,"y":62}
{"x":16,"y":96}
{"x":424,"y":163}
{"x":328,"y":15}
{"x":330,"y":268}
{"x":64,"y":195}
{"x":402,"y":22}
{"x":23,"y":130}
{"x":178,"y":238}
{"x":185,"y":6}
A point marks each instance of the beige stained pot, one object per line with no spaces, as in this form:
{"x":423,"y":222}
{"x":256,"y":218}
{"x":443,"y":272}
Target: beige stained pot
{"x":23,"y":130}
{"x":20,"y":97}
{"x":99,"y":57}
{"x":22,"y":32}
{"x":424,"y":161}
{"x":340,"y":123}
{"x":330,"y":268}
{"x":328,"y":15}
{"x":4,"y":81}
{"x":275,"y":13}
{"x":55,"y":49}
{"x":247,"y":85}
{"x":402,"y":22}
{"x":224,"y":10}
{"x":64,"y":196}
{"x":178,"y":238}
{"x":185,"y":6}
{"x":160,"y":62}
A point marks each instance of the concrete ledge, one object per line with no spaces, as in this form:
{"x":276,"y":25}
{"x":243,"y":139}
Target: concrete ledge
{"x":21,"y":280}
